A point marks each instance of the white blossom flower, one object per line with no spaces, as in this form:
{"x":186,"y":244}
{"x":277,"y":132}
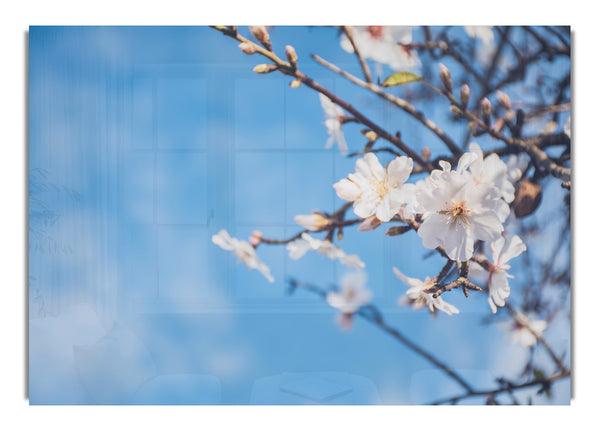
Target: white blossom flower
{"x":380,"y":43}
{"x":375,"y":191}
{"x":457,"y":211}
{"x":299,"y":247}
{"x":492,"y":170}
{"x":519,"y":332}
{"x":352,"y":295}
{"x":243,"y":251}
{"x":333,"y":115}
{"x":312,"y":222}
{"x":502,"y":252}
{"x":417,"y":296}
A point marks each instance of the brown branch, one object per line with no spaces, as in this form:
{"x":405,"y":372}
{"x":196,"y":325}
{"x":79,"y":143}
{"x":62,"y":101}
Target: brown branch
{"x":287,"y":69}
{"x":506,"y":388}
{"x":363,"y":63}
{"x":376,"y":318}
{"x":397,"y":101}
{"x":538,"y":337}
{"x":539,"y":157}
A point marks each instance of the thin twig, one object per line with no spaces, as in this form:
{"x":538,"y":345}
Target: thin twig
{"x":400,"y":103}
{"x":376,"y":318}
{"x":287,"y":69}
{"x":363,"y":63}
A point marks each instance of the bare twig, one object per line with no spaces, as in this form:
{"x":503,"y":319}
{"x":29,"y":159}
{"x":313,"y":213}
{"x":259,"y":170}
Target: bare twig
{"x":363,"y":63}
{"x":287,"y":69}
{"x":400,"y":103}
{"x":377,"y":319}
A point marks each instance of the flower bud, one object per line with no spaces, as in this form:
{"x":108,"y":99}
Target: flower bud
{"x":261,"y":34}
{"x":426,"y":153}
{"x":486,"y":110}
{"x":397,"y":230}
{"x":498,"y":125}
{"x":369,"y":224}
{"x":504,"y":100}
{"x":455,"y":110}
{"x":264,"y":68}
{"x":527,"y":198}
{"x":295,"y":83}
{"x":371,"y":136}
{"x":465,"y":95}
{"x":313,"y":222}
{"x":247,"y":48}
{"x":255,"y":238}
{"x":446,"y":78}
{"x":291,"y":55}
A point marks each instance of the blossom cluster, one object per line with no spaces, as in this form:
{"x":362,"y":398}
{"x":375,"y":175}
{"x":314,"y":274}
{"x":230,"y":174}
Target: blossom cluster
{"x":456,"y":208}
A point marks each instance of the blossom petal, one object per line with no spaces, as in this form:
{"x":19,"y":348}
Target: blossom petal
{"x":513,"y":249}
{"x":486,"y":226}
{"x":223,"y":240}
{"x":399,"y":169}
{"x":347,"y":190}
{"x":459,"y":243}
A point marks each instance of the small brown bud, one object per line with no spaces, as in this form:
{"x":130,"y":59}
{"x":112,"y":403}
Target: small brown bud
{"x":445,"y":77}
{"x":295,"y":83}
{"x":397,"y":230}
{"x":465,"y":95}
{"x":455,"y":110}
{"x":264,"y":68}
{"x":527,"y":198}
{"x":504,"y":100}
{"x":486,"y":110}
{"x":247,"y":48}
{"x":261,"y":34}
{"x":426,"y":153}
{"x":498,"y":125}
{"x":291,"y":55}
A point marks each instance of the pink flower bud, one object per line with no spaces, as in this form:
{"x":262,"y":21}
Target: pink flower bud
{"x":264,"y":68}
{"x":247,"y":48}
{"x":255,"y":238}
{"x":445,"y":77}
{"x":291,"y":55}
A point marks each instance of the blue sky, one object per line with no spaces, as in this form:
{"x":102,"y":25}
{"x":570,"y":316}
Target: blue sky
{"x":148,"y":140}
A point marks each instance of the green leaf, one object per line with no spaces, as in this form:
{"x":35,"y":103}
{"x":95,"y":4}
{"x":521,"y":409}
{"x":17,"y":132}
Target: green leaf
{"x":401,"y":78}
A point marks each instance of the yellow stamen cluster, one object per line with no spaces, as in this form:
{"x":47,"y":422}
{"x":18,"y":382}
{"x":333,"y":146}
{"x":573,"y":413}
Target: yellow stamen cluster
{"x":457,"y":212}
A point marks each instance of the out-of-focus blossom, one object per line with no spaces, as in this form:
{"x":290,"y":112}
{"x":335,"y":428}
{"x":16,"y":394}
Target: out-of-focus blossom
{"x":352,"y":295}
{"x":375,"y":191}
{"x":516,"y":166}
{"x":380,"y":43}
{"x":243,"y":251}
{"x":312,"y":222}
{"x":457,"y":211}
{"x":481,"y":32}
{"x":299,"y":247}
{"x":519,"y":332}
{"x":502,"y":252}
{"x":492,"y":170}
{"x":418,"y":298}
{"x":485,"y":34}
{"x":333,"y":115}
